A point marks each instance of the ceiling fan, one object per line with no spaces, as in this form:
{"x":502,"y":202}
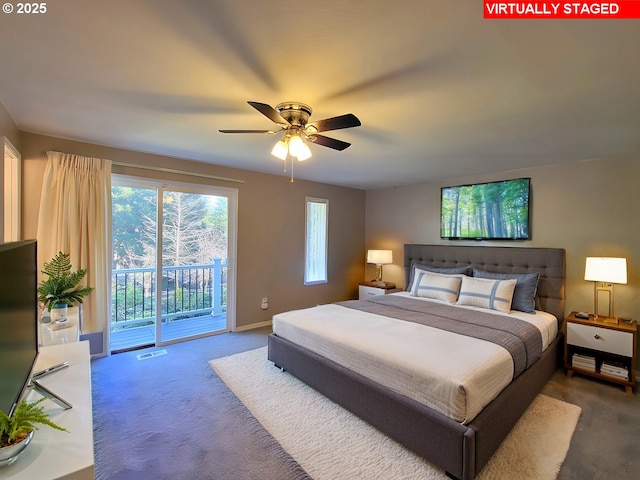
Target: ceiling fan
{"x":293,"y":120}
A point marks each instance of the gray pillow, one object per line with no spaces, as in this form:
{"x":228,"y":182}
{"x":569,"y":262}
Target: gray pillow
{"x":464,"y":270}
{"x":524,"y":296}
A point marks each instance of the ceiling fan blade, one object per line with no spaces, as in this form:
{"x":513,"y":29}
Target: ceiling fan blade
{"x":329,"y":142}
{"x":334,"y":123}
{"x":249,"y":131}
{"x":270,"y":112}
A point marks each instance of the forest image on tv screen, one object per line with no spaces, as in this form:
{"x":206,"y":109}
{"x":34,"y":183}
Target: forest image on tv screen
{"x":492,"y":210}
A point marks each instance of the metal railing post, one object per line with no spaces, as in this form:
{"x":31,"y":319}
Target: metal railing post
{"x":217,"y":286}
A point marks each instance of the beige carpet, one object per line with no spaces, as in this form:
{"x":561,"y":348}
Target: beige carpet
{"x":331,"y":443}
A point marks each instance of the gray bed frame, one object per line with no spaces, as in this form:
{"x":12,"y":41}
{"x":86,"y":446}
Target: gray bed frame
{"x":461,"y":450}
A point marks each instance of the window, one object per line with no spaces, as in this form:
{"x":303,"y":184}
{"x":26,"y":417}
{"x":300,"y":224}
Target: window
{"x":315,"y":265}
{"x":10,"y":203}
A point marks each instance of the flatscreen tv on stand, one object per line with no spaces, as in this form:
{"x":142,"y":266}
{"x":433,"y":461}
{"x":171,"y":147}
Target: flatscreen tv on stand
{"x":19,"y":325}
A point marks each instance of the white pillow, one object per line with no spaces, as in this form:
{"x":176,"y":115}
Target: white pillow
{"x":485,"y":293}
{"x":436,"y":285}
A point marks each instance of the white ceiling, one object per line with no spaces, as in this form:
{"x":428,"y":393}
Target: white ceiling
{"x":440,"y":91}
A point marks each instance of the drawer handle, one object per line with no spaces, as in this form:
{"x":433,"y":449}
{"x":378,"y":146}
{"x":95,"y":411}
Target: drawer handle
{"x":596,"y":336}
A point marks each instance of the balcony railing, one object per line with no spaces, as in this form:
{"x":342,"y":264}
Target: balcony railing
{"x":186,"y":291}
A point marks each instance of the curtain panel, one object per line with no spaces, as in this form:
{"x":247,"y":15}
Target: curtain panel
{"x":75,"y":218}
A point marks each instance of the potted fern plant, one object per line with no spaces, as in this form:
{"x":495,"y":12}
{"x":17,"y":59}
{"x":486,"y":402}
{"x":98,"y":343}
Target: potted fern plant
{"x":16,"y":431}
{"x":62,"y":287}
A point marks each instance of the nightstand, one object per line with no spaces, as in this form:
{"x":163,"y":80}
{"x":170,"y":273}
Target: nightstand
{"x":606,"y":351}
{"x":370,"y":289}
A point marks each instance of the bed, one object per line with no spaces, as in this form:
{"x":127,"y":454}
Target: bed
{"x":460,"y":446}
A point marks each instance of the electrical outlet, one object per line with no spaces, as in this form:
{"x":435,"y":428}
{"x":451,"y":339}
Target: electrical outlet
{"x":265,"y":303}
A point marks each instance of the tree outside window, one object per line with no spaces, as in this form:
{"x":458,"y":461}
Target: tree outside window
{"x":316,"y":244}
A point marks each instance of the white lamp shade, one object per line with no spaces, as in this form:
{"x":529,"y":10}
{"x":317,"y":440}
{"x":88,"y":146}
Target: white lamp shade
{"x":304,"y":152}
{"x":280,"y":150}
{"x":380,"y":257}
{"x":606,"y":269}
{"x":296,"y":145}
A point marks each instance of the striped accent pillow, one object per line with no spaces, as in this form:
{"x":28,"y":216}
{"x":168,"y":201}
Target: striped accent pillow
{"x":524,"y":295}
{"x":464,"y":270}
{"x":435,"y":285}
{"x":485,"y":293}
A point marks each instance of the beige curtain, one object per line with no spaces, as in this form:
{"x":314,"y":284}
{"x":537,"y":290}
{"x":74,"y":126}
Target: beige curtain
{"x":75,"y":218}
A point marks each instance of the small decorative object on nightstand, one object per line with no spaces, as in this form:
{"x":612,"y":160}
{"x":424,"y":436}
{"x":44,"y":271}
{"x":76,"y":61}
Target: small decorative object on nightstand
{"x":600,"y":349}
{"x":370,"y":289}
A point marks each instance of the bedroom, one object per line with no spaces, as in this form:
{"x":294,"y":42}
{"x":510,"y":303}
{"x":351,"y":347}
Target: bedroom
{"x":583,"y":204}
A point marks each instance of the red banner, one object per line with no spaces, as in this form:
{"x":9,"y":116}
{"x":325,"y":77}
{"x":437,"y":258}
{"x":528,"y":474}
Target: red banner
{"x":562,"y":9}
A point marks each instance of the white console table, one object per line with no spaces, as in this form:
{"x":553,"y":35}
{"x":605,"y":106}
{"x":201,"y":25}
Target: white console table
{"x":54,"y":454}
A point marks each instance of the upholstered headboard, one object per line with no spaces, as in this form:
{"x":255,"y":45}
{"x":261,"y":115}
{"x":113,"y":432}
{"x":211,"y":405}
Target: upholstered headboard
{"x":550,"y":262}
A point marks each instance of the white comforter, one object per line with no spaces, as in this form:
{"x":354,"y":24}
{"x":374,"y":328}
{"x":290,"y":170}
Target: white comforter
{"x":453,"y":374}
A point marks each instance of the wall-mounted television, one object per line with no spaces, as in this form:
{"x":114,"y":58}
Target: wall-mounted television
{"x":486,"y":211}
{"x":18,"y":320}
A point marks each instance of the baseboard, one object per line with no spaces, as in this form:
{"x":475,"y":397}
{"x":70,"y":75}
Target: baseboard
{"x":253,"y":326}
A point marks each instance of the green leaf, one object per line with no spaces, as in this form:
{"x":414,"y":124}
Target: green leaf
{"x":62,"y":286}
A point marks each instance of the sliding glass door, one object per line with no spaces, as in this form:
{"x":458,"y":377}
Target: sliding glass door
{"x":194,"y":238}
{"x":172,"y":264}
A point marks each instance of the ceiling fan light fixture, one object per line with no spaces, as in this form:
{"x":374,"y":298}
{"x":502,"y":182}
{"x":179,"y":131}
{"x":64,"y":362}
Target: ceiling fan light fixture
{"x":304,"y":152}
{"x":280,"y":149}
{"x":295,"y":145}
{"x":292,"y":118}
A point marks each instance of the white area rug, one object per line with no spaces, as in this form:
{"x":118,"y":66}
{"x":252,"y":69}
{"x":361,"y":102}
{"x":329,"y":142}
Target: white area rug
{"x":331,"y":443}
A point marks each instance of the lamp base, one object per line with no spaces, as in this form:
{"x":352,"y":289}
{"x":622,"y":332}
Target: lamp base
{"x":381,"y":284}
{"x":608,"y":289}
{"x":605,"y":319}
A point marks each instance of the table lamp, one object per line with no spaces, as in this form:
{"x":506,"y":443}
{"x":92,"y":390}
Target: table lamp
{"x":380,"y":257}
{"x":604,"y":272}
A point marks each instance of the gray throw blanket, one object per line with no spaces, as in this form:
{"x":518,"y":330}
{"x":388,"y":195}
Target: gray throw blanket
{"x":521,"y":339}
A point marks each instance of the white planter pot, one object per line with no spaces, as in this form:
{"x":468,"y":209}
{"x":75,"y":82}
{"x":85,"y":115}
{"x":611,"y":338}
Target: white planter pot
{"x":58,"y":312}
{"x":75,"y":316}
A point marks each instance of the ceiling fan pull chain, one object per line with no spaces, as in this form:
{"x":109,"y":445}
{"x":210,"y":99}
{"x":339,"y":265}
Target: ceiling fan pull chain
{"x":291,"y":168}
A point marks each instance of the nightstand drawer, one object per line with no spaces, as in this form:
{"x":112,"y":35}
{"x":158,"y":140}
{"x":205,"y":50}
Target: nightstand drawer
{"x":602,"y":339}
{"x":365,"y":291}
{"x":370,"y":289}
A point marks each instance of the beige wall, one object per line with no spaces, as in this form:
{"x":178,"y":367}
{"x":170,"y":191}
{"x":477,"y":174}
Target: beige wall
{"x":271,"y":225}
{"x":589,"y":208}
